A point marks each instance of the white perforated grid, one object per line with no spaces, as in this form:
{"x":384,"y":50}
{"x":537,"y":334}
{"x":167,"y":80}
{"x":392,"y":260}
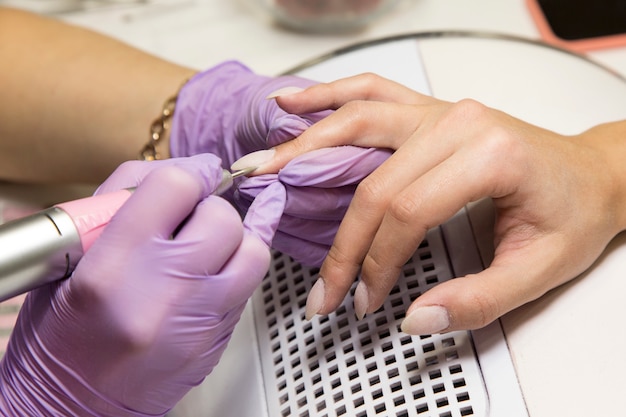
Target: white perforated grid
{"x":337,"y":365}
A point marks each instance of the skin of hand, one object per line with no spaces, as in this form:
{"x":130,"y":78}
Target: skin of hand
{"x":559,"y":199}
{"x":150,"y":307}
{"x":70,"y":88}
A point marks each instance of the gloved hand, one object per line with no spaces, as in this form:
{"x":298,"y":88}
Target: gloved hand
{"x":151,"y":306}
{"x":225,"y":111}
{"x":319,"y":187}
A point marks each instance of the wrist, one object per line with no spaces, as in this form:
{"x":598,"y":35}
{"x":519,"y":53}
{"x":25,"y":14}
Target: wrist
{"x":610,"y":140}
{"x":157,"y":146}
{"x":41,"y":375}
{"x":23,"y":393}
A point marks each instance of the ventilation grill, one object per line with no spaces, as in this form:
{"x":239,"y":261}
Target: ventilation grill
{"x":337,"y":365}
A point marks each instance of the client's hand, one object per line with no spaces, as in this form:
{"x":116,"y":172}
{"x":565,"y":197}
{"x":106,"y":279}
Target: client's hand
{"x":559,"y":199}
{"x":151,"y":306}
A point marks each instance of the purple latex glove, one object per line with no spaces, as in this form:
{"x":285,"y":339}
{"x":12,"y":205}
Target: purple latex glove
{"x":319,"y":186}
{"x":225,"y":111}
{"x":152,"y":304}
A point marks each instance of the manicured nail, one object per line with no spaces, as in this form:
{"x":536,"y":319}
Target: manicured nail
{"x":285,"y":91}
{"x":426,"y":320}
{"x":315,"y":300}
{"x":361,"y":300}
{"x":254,"y":159}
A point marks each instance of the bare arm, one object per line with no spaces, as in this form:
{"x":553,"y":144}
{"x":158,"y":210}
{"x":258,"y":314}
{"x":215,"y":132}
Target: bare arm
{"x":75,"y":103}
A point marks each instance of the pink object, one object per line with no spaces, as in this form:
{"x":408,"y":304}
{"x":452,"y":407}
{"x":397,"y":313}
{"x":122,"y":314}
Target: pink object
{"x":92,"y":214}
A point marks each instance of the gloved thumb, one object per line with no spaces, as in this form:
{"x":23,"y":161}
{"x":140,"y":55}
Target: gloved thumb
{"x":207,"y":168}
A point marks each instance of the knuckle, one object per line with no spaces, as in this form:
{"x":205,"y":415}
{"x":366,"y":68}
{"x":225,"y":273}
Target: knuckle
{"x":339,"y":270}
{"x":464,"y":115}
{"x":353,"y":117}
{"x":371,"y":191}
{"x":487,"y":308}
{"x":339,"y":259}
{"x":497,"y":141}
{"x":136,"y":335}
{"x":369,"y":79}
{"x":132,"y":332}
{"x":403,"y":209}
{"x":500,"y":152}
{"x":469,"y":109}
{"x":373,"y":266}
{"x":355,"y":110}
{"x":380,"y":272}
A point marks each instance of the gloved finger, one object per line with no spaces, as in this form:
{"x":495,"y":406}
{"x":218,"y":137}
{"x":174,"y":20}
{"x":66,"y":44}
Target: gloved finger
{"x":250,"y":187}
{"x":266,"y":123}
{"x":130,"y":174}
{"x":313,"y":231}
{"x":290,"y":126}
{"x":303,"y":202}
{"x":264,"y":215}
{"x":304,"y":252}
{"x":337,"y":93}
{"x":323,"y":204}
{"x":146,"y":214}
{"x":333,"y":167}
{"x":214,"y":227}
{"x":349,"y":125}
{"x":241,"y":275}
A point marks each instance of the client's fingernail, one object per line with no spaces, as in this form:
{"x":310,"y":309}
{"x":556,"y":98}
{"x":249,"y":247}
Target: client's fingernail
{"x":361,"y":300}
{"x":426,"y":320}
{"x":285,"y":91}
{"x":254,"y":159}
{"x":315,"y":300}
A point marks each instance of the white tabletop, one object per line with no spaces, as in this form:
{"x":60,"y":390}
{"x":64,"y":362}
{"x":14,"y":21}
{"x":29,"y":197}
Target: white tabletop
{"x":568,"y":346}
{"x":202,"y":33}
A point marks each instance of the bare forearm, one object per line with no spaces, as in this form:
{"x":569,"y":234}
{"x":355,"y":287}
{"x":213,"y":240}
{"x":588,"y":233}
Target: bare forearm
{"x":75,"y":103}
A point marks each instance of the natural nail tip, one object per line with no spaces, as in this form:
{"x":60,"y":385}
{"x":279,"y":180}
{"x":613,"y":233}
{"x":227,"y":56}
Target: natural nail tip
{"x":254,"y":159}
{"x":315,"y":300}
{"x":285,"y":91}
{"x":426,"y":320}
{"x":361,"y":300}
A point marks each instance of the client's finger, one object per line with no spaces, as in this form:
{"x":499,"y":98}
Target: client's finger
{"x":335,"y":94}
{"x":474,"y":301}
{"x":350,"y":125}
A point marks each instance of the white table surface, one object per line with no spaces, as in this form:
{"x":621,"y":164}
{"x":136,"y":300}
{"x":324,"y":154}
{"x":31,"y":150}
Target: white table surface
{"x":569,"y":346}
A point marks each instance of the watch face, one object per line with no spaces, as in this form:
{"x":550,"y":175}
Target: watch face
{"x":573,"y":20}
